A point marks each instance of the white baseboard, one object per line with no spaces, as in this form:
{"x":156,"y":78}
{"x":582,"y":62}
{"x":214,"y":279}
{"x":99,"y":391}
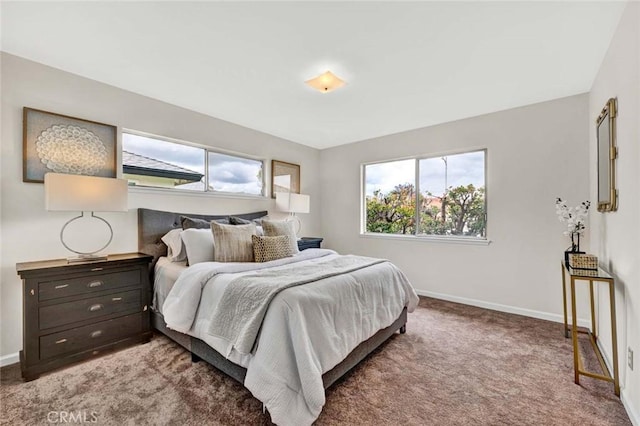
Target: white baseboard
{"x":582,"y":322}
{"x":9,"y":359}
{"x":633,"y":415}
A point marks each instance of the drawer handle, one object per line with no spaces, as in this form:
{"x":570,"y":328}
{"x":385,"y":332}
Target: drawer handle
{"x":96,"y":307}
{"x":95,"y":334}
{"x":96,"y":269}
{"x":116,"y":299}
{"x":94,"y":284}
{"x":60,"y":341}
{"x":61,"y":286}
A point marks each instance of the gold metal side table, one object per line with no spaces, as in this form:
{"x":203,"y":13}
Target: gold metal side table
{"x":590,"y":276}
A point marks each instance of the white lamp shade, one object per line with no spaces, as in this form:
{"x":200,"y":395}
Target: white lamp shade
{"x":64,"y":192}
{"x":292,"y":203}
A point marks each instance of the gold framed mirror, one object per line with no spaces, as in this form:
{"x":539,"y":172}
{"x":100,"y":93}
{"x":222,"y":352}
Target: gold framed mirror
{"x":607,"y":154}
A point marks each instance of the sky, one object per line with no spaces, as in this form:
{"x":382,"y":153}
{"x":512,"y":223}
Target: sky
{"x":461,"y":169}
{"x":233,"y":174}
{"x":226,"y":173}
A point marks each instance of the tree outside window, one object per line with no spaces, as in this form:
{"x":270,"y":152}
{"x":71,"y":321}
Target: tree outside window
{"x":448,"y":198}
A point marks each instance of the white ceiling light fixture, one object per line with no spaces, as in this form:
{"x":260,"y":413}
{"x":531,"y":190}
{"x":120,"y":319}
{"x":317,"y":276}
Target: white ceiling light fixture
{"x":326,"y":82}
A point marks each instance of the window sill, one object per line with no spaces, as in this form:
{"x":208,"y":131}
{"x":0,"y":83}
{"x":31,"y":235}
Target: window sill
{"x":184,"y":192}
{"x":430,"y":239}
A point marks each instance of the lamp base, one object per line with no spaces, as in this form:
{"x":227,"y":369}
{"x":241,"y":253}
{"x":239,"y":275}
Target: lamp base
{"x":293,"y":218}
{"x":87,"y":258}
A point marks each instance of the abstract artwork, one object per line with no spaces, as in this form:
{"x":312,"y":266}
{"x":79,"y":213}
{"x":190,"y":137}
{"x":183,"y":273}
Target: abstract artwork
{"x":61,"y":144}
{"x":285,"y":177}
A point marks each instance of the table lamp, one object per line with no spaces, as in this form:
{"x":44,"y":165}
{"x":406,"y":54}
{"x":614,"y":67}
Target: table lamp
{"x":293,"y":203}
{"x":66,"y":192}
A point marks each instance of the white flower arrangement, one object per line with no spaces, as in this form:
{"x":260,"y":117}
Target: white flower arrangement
{"x":576,"y":218}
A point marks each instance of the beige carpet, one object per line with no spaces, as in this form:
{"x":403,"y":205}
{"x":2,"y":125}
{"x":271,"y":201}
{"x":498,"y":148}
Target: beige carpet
{"x":457,"y":365}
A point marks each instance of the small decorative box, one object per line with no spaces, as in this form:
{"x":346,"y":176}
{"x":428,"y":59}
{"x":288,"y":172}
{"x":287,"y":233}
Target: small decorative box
{"x":583,"y":261}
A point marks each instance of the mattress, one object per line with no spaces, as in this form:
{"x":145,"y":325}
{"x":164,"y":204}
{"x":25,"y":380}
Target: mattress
{"x":166,"y":274}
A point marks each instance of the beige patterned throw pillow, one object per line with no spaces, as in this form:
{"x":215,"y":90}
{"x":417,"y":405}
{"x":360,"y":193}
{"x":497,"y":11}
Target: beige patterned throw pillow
{"x":233,"y":242}
{"x":271,"y":248}
{"x":274,"y":228}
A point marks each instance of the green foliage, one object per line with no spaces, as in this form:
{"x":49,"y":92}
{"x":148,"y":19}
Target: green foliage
{"x":392,"y":213}
{"x":465,"y":206}
{"x":459,"y":211}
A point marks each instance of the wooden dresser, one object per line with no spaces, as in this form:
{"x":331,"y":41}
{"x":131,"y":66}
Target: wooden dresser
{"x":74,"y":311}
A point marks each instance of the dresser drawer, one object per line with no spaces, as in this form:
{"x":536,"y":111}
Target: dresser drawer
{"x":95,"y":307}
{"x":89,"y":336}
{"x":98,"y":281}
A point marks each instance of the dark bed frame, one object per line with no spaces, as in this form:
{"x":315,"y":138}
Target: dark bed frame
{"x":153,"y":224}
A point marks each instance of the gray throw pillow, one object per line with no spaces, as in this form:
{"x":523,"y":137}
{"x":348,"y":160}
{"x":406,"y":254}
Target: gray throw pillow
{"x":192,"y":222}
{"x":235,"y":220}
{"x":274,"y":228}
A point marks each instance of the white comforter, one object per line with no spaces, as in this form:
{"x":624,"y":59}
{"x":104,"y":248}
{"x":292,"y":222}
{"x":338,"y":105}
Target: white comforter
{"x":307,"y":330}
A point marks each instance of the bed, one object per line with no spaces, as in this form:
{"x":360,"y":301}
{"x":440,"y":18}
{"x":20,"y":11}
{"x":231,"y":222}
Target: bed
{"x":153,"y":224}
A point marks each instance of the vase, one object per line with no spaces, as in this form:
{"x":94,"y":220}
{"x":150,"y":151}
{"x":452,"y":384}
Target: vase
{"x":575,"y":242}
{"x":575,"y":247}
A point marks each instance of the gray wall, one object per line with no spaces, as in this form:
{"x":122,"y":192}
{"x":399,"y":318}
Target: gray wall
{"x":534,"y":154}
{"x":30,"y":233}
{"x":616,"y":236}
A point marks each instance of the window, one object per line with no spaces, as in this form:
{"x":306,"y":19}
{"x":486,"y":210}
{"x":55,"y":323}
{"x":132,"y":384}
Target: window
{"x":155,"y":162}
{"x":228,"y":173}
{"x":442,"y":196}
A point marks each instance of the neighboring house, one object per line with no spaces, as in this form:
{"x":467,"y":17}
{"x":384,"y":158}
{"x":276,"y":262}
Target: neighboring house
{"x":144,"y":171}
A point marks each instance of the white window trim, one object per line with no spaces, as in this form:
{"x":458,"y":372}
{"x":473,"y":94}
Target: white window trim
{"x":449,"y":239}
{"x":439,"y":239}
{"x":189,"y":193}
{"x":207,"y":149}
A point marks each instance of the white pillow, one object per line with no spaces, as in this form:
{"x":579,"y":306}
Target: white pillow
{"x":175,"y":248}
{"x":198,"y":244}
{"x":274,"y":228}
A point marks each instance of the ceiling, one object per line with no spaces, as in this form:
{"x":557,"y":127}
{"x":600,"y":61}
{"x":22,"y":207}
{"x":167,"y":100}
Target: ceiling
{"x":407,"y":65}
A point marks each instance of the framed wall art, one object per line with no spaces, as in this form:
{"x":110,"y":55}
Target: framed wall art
{"x":61,"y":144}
{"x":285,"y":177}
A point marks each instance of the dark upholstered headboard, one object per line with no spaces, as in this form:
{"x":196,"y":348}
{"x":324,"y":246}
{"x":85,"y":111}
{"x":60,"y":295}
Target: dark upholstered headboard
{"x":153,"y":224}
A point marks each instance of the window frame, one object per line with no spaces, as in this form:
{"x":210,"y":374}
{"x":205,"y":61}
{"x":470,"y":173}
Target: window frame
{"x":207,"y":149}
{"x":416,"y":236}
